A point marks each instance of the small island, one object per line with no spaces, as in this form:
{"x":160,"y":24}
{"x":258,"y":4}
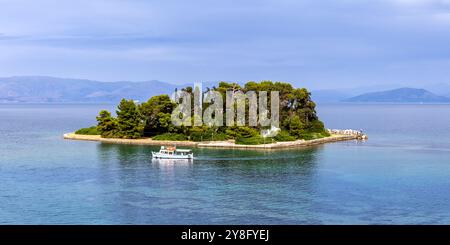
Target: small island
{"x":150,"y":123}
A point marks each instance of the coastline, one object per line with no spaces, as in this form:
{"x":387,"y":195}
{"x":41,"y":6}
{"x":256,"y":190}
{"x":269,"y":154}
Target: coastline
{"x":214,"y":144}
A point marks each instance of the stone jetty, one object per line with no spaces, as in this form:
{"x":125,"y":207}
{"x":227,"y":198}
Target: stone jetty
{"x":358,"y":133}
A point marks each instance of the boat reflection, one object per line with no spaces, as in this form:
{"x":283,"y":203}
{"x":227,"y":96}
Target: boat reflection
{"x":165,"y":163}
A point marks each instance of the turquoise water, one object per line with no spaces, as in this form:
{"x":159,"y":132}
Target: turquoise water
{"x":401,"y":175}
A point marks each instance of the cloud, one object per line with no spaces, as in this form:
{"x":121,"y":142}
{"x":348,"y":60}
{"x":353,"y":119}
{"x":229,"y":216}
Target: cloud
{"x":317,"y":43}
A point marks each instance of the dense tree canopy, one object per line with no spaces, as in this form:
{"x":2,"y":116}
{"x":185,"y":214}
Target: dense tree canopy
{"x":298,"y":119}
{"x":129,"y":120}
{"x":107,"y":125}
{"x":156,"y":115}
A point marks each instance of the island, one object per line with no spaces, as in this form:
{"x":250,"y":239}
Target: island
{"x":401,"y":95}
{"x":149,"y":123}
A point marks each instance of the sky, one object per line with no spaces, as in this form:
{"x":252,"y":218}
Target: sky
{"x":317,"y":44}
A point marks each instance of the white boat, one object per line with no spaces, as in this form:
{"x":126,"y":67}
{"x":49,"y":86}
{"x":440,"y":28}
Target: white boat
{"x":173,"y":153}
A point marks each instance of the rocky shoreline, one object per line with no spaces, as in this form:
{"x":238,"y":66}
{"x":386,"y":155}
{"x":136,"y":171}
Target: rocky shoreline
{"x":348,"y":135}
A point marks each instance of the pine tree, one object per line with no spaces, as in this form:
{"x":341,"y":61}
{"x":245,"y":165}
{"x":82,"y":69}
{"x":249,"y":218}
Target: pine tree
{"x":107,"y":125}
{"x":129,"y":120}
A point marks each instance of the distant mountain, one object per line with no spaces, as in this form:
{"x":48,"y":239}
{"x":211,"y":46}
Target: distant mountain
{"x":401,"y":95}
{"x":51,"y":89}
{"x":41,"y":89}
{"x":340,"y":94}
{"x":439,"y":88}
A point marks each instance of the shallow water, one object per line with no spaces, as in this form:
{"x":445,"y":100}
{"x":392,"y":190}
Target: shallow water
{"x":401,"y":175}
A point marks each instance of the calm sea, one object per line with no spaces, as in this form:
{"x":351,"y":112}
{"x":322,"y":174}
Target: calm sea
{"x":401,"y":175}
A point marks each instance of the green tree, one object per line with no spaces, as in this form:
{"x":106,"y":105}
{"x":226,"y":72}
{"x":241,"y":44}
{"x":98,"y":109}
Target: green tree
{"x":296,"y":126}
{"x":156,"y":113}
{"x":107,"y":125}
{"x":298,"y":116}
{"x":129,"y":120}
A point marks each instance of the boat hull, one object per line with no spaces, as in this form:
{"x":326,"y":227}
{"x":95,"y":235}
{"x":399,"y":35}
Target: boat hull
{"x":165,"y":156}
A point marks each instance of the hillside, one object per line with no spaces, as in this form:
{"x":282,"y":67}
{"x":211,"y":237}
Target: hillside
{"x":50,"y":89}
{"x":401,"y":95}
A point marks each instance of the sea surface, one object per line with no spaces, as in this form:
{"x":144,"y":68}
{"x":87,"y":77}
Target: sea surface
{"x":401,"y":175}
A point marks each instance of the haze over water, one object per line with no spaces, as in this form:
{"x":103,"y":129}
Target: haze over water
{"x":401,"y":175}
